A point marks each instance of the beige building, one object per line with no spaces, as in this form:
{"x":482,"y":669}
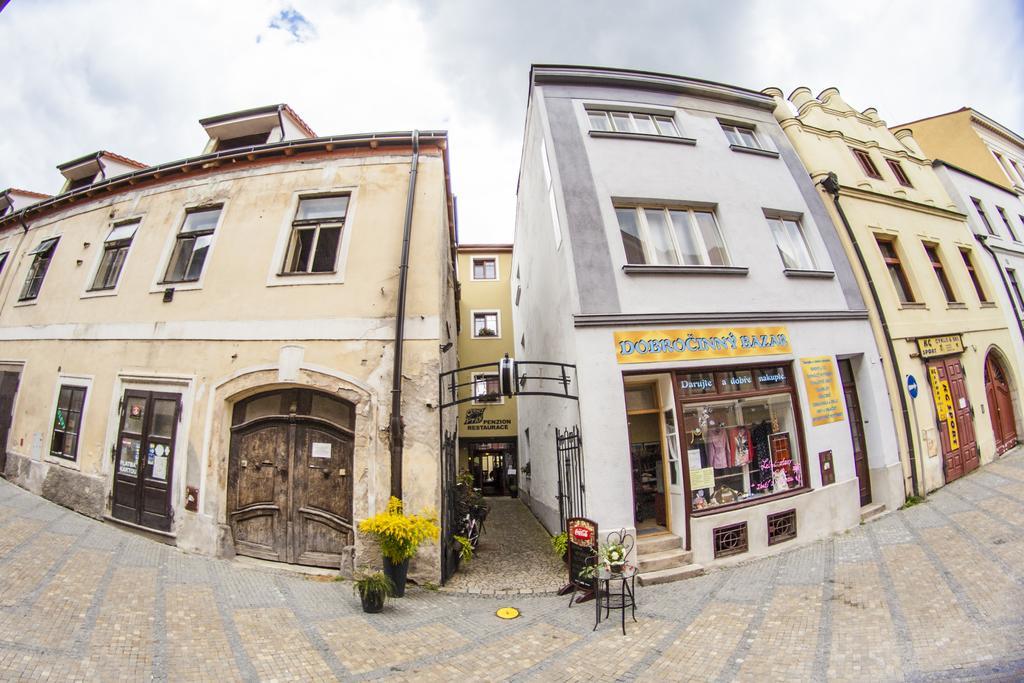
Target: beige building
{"x":487,"y":424}
{"x":205,"y":349}
{"x":935,"y":311}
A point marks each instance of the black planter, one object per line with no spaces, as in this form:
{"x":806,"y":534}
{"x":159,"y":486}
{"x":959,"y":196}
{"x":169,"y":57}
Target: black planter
{"x":397,"y":574}
{"x":373,"y":603}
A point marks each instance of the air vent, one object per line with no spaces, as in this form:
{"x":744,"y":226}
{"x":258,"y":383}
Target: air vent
{"x":730,"y":540}
{"x":781,"y":527}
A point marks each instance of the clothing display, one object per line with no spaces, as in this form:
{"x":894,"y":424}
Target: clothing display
{"x":739,"y":446}
{"x":718,"y":447}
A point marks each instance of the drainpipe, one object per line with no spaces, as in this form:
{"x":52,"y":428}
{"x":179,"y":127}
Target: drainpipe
{"x":831,"y":185}
{"x":280,"y":120}
{"x":397,"y":429}
{"x":983,"y":240}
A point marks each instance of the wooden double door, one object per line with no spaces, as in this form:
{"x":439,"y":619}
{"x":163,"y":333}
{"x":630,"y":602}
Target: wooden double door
{"x":1000,"y":405}
{"x":144,"y":458}
{"x":289,"y":477}
{"x":955,"y":417}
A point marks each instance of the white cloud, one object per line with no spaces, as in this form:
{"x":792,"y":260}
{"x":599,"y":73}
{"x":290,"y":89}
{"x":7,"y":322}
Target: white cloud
{"x":135,"y":77}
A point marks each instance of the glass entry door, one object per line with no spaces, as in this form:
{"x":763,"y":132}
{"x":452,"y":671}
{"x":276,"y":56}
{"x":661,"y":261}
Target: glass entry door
{"x":144,"y":458}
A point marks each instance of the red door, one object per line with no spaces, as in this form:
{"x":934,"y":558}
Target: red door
{"x":959,"y":447}
{"x":1000,"y":405}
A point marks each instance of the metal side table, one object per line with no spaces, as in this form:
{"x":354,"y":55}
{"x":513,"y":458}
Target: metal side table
{"x":605,"y":597}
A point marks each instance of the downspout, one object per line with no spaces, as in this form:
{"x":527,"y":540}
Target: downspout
{"x":831,"y":185}
{"x":983,"y":240}
{"x":280,"y":120}
{"x":397,"y":429}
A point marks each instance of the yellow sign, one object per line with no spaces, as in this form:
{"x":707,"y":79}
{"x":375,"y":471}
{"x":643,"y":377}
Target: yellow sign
{"x":703,"y":478}
{"x":933,"y":347}
{"x":823,"y":393}
{"x":507,"y":613}
{"x":651,"y":346}
{"x":944,"y":407}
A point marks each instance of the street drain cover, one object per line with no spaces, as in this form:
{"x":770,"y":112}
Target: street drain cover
{"x":508,"y":613}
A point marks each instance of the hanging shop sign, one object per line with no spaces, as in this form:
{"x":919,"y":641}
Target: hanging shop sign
{"x":944,"y":407}
{"x":823,"y":393}
{"x":477,"y":420}
{"x":933,"y":347}
{"x":651,"y":346}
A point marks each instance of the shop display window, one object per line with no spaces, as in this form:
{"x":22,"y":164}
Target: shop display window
{"x":741,"y":438}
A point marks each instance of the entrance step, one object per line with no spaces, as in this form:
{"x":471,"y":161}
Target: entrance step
{"x":870,"y":511}
{"x":664,"y":560}
{"x":657,"y":543}
{"x":668,"y":575}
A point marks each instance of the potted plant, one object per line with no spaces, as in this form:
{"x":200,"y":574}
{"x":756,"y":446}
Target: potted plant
{"x":486,"y":332}
{"x":399,"y":535}
{"x":560,"y":544}
{"x":610,"y":556}
{"x":374,"y":588}
{"x":465,"y":548}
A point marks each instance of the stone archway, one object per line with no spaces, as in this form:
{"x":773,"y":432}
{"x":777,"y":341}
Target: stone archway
{"x":999,"y":394}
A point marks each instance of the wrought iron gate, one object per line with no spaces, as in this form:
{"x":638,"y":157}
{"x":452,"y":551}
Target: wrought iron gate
{"x":449,"y":513}
{"x":572,"y":499}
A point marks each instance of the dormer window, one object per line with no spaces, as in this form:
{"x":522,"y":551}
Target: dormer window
{"x":96,"y":167}
{"x":243,"y":141}
{"x":253,"y":127}
{"x":79,"y":183}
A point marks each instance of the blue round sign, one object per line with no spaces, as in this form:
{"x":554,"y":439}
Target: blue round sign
{"x":912,"y":386}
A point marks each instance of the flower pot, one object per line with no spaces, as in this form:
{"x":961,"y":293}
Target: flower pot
{"x":397,"y":574}
{"x":616,"y":568}
{"x":373,"y":603}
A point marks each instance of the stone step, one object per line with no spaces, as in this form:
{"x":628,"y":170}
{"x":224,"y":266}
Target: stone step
{"x":657,"y":543}
{"x":669,"y":575}
{"x":664,"y":560}
{"x":871,"y":510}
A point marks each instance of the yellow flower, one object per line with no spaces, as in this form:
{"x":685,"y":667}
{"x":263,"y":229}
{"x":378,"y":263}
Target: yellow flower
{"x":399,"y":534}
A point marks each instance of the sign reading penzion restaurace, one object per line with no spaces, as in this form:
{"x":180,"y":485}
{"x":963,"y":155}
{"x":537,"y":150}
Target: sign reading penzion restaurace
{"x":650,"y":346}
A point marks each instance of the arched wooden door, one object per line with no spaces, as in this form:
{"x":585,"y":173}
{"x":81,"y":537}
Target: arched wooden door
{"x":290,"y":477}
{"x":1000,"y":405}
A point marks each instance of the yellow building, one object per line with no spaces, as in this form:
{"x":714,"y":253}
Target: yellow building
{"x":934,"y":310}
{"x":487,"y":424}
{"x":205,"y":348}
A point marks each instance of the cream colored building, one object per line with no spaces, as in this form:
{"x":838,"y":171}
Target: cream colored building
{"x":488,"y":445}
{"x":204,"y":348}
{"x":935,"y":311}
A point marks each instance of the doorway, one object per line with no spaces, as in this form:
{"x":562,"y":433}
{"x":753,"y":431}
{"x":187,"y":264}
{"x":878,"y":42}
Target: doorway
{"x":1000,"y":404}
{"x":649,"y":462}
{"x":493,"y":467}
{"x":144,"y":458}
{"x":856,"y":422}
{"x":955,"y":417}
{"x":8,"y":390}
{"x":290,"y":477}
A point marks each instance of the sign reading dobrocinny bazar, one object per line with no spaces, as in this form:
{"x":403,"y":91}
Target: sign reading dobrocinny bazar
{"x":649,"y":346}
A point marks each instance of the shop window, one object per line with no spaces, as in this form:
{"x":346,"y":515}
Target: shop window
{"x":892,"y":263}
{"x":41,"y":257}
{"x":866,"y":164}
{"x":316,"y":234}
{"x":792,"y":245}
{"x":115,"y":250}
{"x":486,"y":389}
{"x":940,"y":272}
{"x":67,"y":422}
{"x":973,"y":274}
{"x":192,"y":245}
{"x":983,"y":216}
{"x":897,"y":170}
{"x":485,"y":324}
{"x":672,"y":237}
{"x":781,"y":527}
{"x":741,"y":436}
{"x":730,"y":540}
{"x":485,"y":269}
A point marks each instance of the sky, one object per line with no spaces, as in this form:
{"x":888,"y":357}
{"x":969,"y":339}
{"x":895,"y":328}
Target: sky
{"x":135,"y":77}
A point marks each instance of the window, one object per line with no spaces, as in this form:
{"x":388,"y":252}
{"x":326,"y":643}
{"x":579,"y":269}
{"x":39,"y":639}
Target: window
{"x":1012,"y":275}
{"x":632,"y":122}
{"x":486,"y":389}
{"x":789,"y":238}
{"x":1020,"y":173}
{"x":895,"y":268}
{"x":1009,"y":226}
{"x":897,"y":170}
{"x":115,"y":250}
{"x":866,"y":163}
{"x":940,"y":272}
{"x":485,"y":269}
{"x":671,"y":237}
{"x":67,"y":423}
{"x":485,"y":324}
{"x":969,"y":264}
{"x":741,"y":136}
{"x":550,"y":187}
{"x":242,"y":141}
{"x":983,"y":215}
{"x":3,"y":260}
{"x":192,"y":245}
{"x":316,"y":233}
{"x":79,"y":183}
{"x":37,"y":271}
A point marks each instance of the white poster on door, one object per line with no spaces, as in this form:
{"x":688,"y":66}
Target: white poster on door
{"x":321,"y":450}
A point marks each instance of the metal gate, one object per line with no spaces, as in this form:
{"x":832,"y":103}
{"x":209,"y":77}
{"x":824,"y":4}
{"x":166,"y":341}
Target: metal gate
{"x":449,"y":513}
{"x":572,"y":500}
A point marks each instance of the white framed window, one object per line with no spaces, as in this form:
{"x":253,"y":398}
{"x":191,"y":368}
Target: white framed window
{"x":741,"y":135}
{"x":632,"y":122}
{"x":192,"y":245}
{"x":486,"y":388}
{"x":69,"y":408}
{"x":486,"y":325}
{"x":550,"y":189}
{"x":115,"y":252}
{"x":484,"y":268}
{"x":791,"y":242}
{"x":316,"y":234}
{"x":671,"y":236}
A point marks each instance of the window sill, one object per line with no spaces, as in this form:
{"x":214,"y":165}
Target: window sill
{"x":800,"y":272}
{"x":316,"y":274}
{"x":640,"y":269}
{"x":642,"y":136}
{"x":913,"y":306}
{"x":26,"y":302}
{"x":951,"y":305}
{"x":70,"y":463}
{"x":755,"y":150}
{"x":988,"y":304}
{"x":97,"y":293}
{"x":486,"y":336}
{"x":708,"y":512}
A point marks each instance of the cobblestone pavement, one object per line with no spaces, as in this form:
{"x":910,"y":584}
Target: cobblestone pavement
{"x":931,"y":593}
{"x":514,"y":556}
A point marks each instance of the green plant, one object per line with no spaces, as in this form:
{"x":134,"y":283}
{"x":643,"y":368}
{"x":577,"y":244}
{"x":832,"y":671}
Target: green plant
{"x":912,"y":501}
{"x":399,"y":534}
{"x":373,"y":584}
{"x":609,"y":555}
{"x":560,"y":544}
{"x":431,"y":586}
{"x":465,"y":548}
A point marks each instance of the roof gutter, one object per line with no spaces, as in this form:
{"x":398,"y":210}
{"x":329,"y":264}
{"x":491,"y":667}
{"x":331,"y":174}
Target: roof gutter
{"x":830,"y":184}
{"x":397,"y":429}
